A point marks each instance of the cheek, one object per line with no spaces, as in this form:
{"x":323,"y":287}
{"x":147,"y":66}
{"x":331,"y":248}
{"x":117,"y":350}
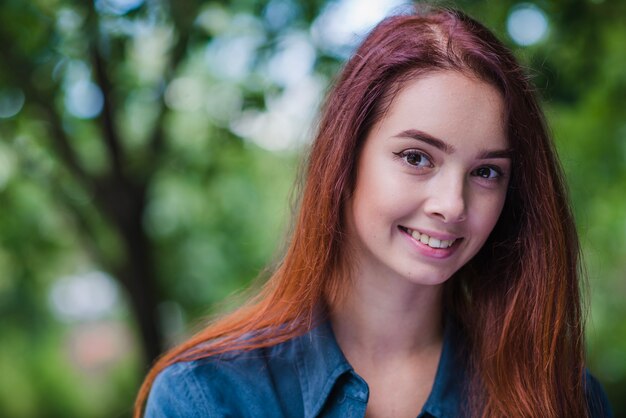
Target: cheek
{"x":369,"y":211}
{"x":376,"y":196}
{"x":485,"y":212}
{"x":489,"y":213}
{"x":375,"y":211}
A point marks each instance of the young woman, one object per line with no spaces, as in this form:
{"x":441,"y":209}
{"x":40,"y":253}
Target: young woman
{"x":433,"y":267}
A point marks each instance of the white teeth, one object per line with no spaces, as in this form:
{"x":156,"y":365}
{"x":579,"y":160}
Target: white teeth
{"x":434,"y":242}
{"x":430,"y":241}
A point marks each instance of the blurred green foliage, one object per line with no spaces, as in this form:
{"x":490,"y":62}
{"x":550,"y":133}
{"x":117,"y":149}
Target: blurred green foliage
{"x":193,"y":126}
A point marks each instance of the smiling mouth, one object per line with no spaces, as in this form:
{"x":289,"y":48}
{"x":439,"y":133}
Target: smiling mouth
{"x":428,"y":240}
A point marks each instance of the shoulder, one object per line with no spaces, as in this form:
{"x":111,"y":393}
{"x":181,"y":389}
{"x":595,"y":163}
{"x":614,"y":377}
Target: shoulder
{"x":177,"y":392}
{"x":597,"y":400}
{"x":220,"y":385}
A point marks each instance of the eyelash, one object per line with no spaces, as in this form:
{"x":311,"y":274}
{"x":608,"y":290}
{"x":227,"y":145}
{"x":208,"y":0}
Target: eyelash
{"x":404,"y":155}
{"x":497,"y":170}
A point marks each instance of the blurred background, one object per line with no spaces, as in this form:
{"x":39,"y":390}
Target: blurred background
{"x":148,"y":149}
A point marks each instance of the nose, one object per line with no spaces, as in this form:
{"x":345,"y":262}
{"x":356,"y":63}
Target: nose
{"x":447,"y":200}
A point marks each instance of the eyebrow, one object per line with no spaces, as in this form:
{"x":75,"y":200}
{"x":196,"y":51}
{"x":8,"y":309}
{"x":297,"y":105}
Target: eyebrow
{"x":429,"y":139}
{"x":504,"y":153}
{"x":449,"y":149}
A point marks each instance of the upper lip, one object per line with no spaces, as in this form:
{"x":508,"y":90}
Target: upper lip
{"x":434,"y":234}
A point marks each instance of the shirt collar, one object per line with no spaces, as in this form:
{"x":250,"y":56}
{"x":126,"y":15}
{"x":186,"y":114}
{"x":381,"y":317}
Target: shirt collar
{"x":450,"y":383}
{"x":321,"y":363}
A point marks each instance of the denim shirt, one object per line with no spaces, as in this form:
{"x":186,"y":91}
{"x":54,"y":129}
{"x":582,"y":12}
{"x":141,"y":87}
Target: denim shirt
{"x":307,"y":376}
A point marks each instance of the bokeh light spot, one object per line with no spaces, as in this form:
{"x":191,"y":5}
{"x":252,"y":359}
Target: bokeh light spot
{"x":184,"y":94}
{"x":293,"y":60}
{"x":82,"y":297}
{"x":527,"y":24}
{"x":342,"y":24}
{"x":278,"y":13}
{"x":11,"y":102}
{"x":117,"y":7}
{"x":231,"y":57}
{"x":83,"y":99}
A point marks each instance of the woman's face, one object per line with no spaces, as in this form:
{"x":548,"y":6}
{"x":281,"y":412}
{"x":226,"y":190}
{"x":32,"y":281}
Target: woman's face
{"x":431,"y":180}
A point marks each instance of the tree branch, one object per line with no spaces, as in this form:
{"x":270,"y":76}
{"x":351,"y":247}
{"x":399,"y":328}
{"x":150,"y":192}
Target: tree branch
{"x":23,"y":78}
{"x":183,"y":14}
{"x":107,"y":126}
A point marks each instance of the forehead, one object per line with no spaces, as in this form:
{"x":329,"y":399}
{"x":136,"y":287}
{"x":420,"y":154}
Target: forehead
{"x":454,"y":107}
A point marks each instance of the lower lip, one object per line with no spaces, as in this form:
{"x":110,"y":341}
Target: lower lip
{"x":439,"y":253}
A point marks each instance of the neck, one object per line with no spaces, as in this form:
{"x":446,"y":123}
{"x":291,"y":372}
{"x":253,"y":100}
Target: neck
{"x":382,"y":319}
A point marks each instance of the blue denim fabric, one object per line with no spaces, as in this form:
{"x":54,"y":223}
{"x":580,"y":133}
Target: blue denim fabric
{"x":308,"y":377}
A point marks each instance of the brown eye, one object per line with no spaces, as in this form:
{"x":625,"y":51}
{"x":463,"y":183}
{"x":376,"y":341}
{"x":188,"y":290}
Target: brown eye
{"x":415,"y":158}
{"x":487,"y":173}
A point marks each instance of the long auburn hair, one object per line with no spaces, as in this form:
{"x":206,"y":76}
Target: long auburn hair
{"x":517,"y":301}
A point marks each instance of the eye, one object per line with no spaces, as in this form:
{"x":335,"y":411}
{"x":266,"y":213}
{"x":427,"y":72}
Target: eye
{"x":488,"y":173}
{"x":415,"y":158}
